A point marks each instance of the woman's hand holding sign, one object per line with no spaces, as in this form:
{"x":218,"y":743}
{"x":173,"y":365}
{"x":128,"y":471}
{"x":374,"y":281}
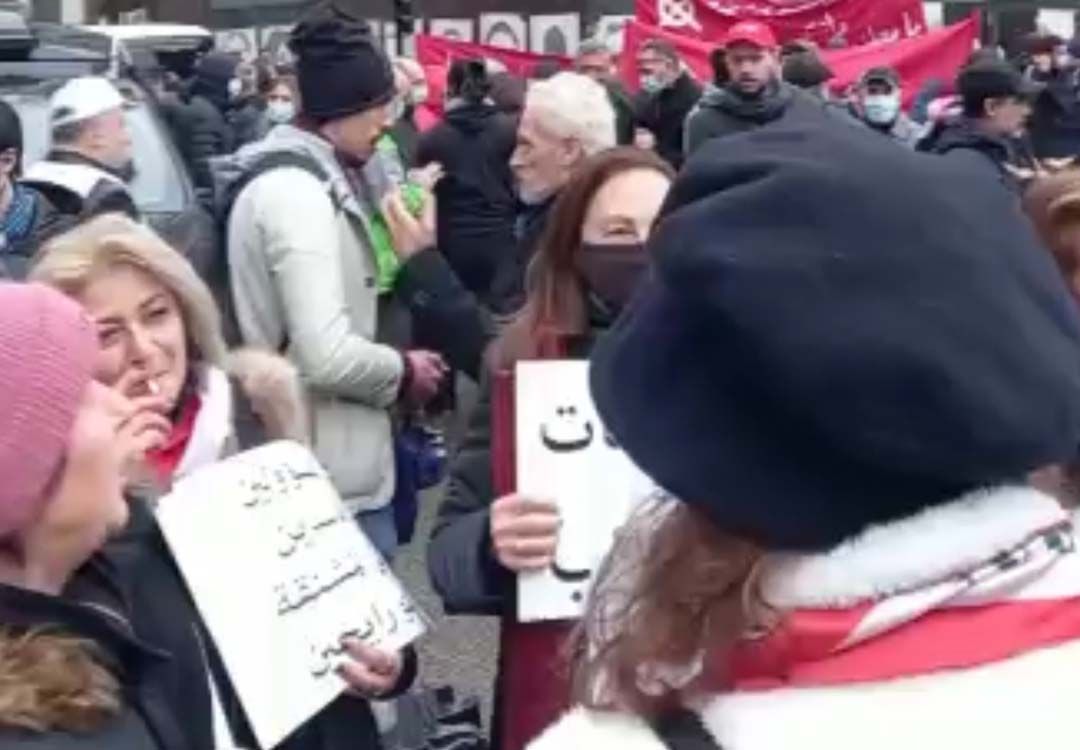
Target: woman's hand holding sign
{"x":369,"y":672}
{"x":524,"y":532}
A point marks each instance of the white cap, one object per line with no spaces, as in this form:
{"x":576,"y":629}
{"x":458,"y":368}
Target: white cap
{"x":82,"y":98}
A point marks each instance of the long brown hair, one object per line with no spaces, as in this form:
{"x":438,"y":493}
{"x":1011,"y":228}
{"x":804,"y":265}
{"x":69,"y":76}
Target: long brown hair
{"x":555,"y":308}
{"x":673,"y":596}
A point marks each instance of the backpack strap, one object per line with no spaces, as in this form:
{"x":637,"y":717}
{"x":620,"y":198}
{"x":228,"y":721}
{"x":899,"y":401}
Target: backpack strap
{"x":280,"y":160}
{"x":684,"y":730}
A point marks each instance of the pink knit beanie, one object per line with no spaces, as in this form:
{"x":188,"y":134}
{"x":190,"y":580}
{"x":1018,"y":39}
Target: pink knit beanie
{"x":47,"y":353}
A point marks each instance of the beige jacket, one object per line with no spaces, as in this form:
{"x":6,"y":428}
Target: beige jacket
{"x":303,"y":279}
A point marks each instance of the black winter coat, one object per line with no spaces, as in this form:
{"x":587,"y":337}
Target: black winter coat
{"x":664,"y":114}
{"x":508,"y":290}
{"x":91,"y":609}
{"x":962,"y":140}
{"x":461,"y":560}
{"x":204,"y":133}
{"x":723,"y":112}
{"x":624,"y":113}
{"x":1055,"y":121}
{"x":452,"y":318}
{"x":477,"y":203}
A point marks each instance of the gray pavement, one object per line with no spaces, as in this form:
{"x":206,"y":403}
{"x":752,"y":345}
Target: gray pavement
{"x":461,"y":651}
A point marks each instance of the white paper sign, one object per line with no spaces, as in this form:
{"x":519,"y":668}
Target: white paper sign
{"x":564,"y":454}
{"x":281,"y":573}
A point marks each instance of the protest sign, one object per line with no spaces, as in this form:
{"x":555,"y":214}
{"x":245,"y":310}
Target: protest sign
{"x":281,"y":573}
{"x":564,"y":454}
{"x":830,"y":23}
{"x":938,"y":54}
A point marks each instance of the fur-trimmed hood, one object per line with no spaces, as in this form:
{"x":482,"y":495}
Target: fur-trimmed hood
{"x":257,"y":398}
{"x":1024,"y":699}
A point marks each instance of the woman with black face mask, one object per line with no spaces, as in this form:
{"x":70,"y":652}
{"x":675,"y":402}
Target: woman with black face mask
{"x":585,"y":271}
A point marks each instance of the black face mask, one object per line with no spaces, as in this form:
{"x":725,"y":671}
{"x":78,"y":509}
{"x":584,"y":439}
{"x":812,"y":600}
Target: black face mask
{"x":613,"y":272}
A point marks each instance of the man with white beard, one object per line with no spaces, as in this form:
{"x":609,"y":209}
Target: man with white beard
{"x":566,"y":119}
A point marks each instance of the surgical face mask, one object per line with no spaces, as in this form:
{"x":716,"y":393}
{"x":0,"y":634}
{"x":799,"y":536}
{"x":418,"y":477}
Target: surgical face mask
{"x":882,"y":109}
{"x":280,"y":111}
{"x":396,"y":110}
{"x":419,"y":94}
{"x":653,"y":83}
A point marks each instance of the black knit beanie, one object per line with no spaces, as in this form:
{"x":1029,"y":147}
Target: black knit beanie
{"x":339,"y":64}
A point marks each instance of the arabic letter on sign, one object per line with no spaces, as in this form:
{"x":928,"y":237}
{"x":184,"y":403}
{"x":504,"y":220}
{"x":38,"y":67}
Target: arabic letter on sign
{"x":564,"y":454}
{"x":281,"y":573}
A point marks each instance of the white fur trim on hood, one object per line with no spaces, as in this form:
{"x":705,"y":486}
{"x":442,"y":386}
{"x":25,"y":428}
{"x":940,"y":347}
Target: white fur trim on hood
{"x":911,"y":553}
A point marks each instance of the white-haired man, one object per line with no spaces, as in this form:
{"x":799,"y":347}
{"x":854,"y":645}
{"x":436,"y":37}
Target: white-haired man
{"x":566,"y":119}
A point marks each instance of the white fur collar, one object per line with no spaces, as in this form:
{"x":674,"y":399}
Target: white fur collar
{"x":916,"y":551}
{"x":213,"y":425}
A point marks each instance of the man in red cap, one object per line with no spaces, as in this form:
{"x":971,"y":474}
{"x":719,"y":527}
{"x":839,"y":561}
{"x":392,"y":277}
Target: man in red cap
{"x":754,"y":95}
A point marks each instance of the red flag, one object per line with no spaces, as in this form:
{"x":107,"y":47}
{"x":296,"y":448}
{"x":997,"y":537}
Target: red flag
{"x":827,"y":22}
{"x":936,"y":54}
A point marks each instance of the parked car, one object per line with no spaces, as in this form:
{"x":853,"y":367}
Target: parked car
{"x":37,"y":63}
{"x":146,"y":50}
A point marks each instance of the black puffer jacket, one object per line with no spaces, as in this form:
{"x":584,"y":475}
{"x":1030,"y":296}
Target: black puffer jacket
{"x":1055,"y":121}
{"x":92,"y":610}
{"x":724,"y":111}
{"x":664,"y":114}
{"x":961,"y":139}
{"x":202,"y":121}
{"x":476,"y":199}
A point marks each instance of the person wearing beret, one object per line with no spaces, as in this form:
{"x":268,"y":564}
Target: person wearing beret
{"x":72,"y":673}
{"x":847,"y":553}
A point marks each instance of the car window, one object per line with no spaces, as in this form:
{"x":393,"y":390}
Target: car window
{"x":159,"y":185}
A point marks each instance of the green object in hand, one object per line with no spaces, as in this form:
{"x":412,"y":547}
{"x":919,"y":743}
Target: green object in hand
{"x":414,"y":197}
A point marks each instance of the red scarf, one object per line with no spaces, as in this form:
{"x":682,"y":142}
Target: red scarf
{"x":1017,"y":603}
{"x":165,"y":460}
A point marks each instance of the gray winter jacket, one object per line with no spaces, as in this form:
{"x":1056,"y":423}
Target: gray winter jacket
{"x":303,"y":280}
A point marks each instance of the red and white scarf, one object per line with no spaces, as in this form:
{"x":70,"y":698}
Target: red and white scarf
{"x":990,"y":577}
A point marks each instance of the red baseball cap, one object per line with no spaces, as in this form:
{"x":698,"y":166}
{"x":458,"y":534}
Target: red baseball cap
{"x":751,"y":32}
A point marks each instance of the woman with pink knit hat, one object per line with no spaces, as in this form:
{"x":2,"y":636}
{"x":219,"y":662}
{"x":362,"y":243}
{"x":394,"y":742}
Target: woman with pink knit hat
{"x":69,"y":667}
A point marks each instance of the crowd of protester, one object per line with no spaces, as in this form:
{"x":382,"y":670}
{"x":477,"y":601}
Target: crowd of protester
{"x":840,"y":333}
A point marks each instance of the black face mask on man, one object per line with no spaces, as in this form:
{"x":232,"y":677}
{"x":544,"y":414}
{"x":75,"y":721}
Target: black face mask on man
{"x":612,"y":272}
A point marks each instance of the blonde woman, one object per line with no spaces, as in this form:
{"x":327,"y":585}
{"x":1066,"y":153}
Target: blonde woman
{"x":160,"y":345}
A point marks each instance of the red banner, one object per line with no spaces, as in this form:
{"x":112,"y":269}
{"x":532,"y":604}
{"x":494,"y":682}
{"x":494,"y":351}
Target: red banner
{"x":936,"y":54}
{"x":436,"y":54}
{"x":830,"y":23}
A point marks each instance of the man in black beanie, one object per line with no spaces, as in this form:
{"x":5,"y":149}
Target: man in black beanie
{"x":304,"y":274}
